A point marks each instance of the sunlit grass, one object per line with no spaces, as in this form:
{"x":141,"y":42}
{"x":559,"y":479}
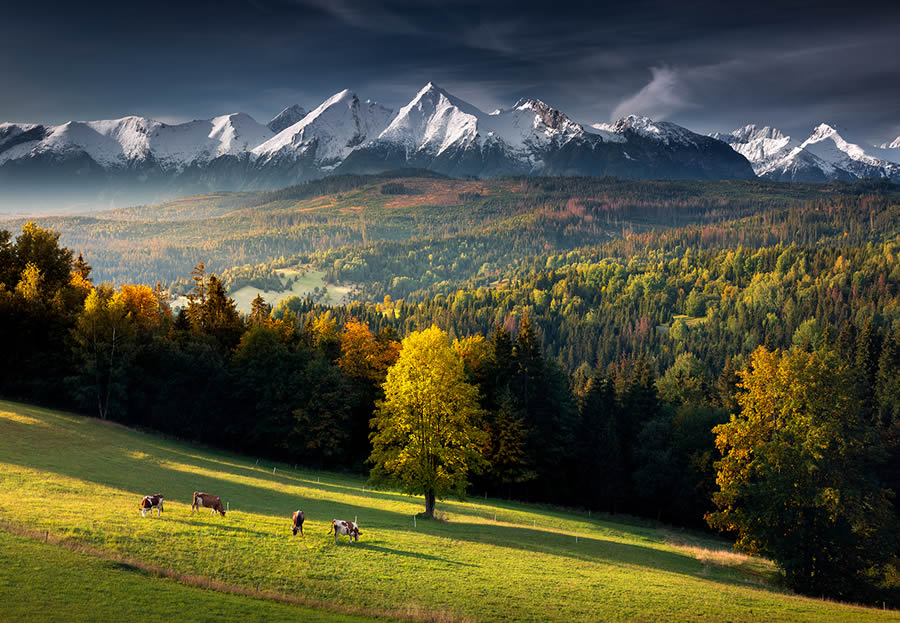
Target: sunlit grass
{"x":79,"y":482}
{"x":42,"y":582}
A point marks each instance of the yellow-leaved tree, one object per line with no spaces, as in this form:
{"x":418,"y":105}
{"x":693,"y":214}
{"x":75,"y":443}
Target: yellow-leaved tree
{"x":796,"y":481}
{"x":426,"y":436}
{"x":103,"y":338}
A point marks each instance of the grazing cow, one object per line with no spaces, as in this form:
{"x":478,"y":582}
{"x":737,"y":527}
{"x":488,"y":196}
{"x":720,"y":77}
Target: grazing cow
{"x":298,"y":523}
{"x":149,"y":503}
{"x":207,"y":501}
{"x":348,"y":528}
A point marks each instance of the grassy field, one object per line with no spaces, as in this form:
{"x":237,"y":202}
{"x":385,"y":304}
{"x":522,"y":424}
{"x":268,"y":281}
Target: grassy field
{"x":308,"y":281}
{"x":40,"y":582}
{"x":76,"y":482}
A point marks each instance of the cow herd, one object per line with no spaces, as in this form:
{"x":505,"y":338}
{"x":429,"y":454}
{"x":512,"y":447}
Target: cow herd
{"x":149,"y":503}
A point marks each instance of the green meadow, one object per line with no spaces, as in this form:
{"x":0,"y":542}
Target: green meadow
{"x":307,"y":281}
{"x":73,"y":546}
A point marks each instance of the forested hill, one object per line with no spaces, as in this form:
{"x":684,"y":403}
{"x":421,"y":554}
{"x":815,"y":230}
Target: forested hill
{"x":494,"y":223}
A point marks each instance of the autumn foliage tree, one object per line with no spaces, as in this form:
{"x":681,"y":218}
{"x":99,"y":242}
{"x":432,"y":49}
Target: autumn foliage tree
{"x":103,"y":336}
{"x":796,"y":482}
{"x":425,"y":432}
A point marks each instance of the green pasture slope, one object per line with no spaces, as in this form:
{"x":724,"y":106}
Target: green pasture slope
{"x":73,"y":546}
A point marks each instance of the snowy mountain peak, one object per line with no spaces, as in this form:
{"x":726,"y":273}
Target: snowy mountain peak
{"x":895,"y":144}
{"x":286,"y":118}
{"x":132,"y":141}
{"x":821,"y":132}
{"x":638,"y":124}
{"x":434,"y":96}
{"x":826,"y":143}
{"x":825,"y":155}
{"x":550,"y":117}
{"x":328,"y":133}
{"x":762,"y":146}
{"x":434,"y":120}
{"x":753,"y":132}
{"x":236,"y":133}
{"x":662,"y":131}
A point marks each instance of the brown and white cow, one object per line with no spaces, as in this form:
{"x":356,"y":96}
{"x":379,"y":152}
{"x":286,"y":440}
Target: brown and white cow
{"x":347,"y":528}
{"x":207,"y":501}
{"x":297,"y":522}
{"x":150,"y":502}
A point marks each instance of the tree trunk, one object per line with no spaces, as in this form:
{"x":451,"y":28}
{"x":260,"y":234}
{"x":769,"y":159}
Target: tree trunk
{"x":429,"y":504}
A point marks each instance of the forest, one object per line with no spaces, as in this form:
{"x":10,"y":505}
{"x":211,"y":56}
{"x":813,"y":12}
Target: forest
{"x":631,"y":344}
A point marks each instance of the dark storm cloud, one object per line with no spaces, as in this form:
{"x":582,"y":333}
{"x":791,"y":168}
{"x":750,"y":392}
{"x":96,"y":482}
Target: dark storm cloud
{"x":707,"y":65}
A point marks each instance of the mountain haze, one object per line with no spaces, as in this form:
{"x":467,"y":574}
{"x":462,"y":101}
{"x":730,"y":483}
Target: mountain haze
{"x":137,"y":159}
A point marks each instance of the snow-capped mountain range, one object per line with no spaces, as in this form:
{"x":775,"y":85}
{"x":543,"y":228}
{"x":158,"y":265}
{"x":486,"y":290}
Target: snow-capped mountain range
{"x":825,"y":155}
{"x":136,"y":159}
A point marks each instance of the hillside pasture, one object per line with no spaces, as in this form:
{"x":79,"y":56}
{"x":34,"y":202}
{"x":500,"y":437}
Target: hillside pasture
{"x":78,"y":481}
{"x":308,"y":281}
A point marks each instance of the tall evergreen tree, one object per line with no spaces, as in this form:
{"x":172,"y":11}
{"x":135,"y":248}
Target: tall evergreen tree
{"x":600,"y":447}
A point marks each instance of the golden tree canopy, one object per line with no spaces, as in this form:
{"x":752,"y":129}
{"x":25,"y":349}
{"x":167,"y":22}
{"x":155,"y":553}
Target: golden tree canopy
{"x":426,"y":435}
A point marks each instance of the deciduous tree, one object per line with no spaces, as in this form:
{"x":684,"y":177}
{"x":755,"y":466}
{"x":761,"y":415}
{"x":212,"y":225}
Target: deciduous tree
{"x":103,"y":335}
{"x":425,"y":433}
{"x":796,"y":481}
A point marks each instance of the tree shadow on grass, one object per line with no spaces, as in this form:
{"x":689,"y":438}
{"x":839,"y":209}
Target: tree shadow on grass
{"x":111,"y":458}
{"x":409,"y":554}
{"x":303,"y":477}
{"x":217,"y":526}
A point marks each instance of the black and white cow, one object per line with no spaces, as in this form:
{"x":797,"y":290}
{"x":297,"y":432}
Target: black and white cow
{"x":149,"y":503}
{"x":297,"y":523}
{"x":347,"y":528}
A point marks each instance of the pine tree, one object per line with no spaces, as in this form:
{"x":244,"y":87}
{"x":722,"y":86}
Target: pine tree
{"x":727,"y":387}
{"x":82,"y":268}
{"x":259,"y":312}
{"x":600,"y":447}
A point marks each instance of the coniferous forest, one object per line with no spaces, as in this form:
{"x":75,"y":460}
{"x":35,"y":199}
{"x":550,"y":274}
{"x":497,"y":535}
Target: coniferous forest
{"x":705,"y":354}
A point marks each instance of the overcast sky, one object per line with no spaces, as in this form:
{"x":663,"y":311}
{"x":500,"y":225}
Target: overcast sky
{"x":706,"y":65}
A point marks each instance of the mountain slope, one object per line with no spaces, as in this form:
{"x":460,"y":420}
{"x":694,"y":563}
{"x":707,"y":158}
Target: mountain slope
{"x":136,"y":141}
{"x":440,"y":132}
{"x":320,"y":141}
{"x":286,"y":118}
{"x":824,"y":156}
{"x":137,"y":159}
